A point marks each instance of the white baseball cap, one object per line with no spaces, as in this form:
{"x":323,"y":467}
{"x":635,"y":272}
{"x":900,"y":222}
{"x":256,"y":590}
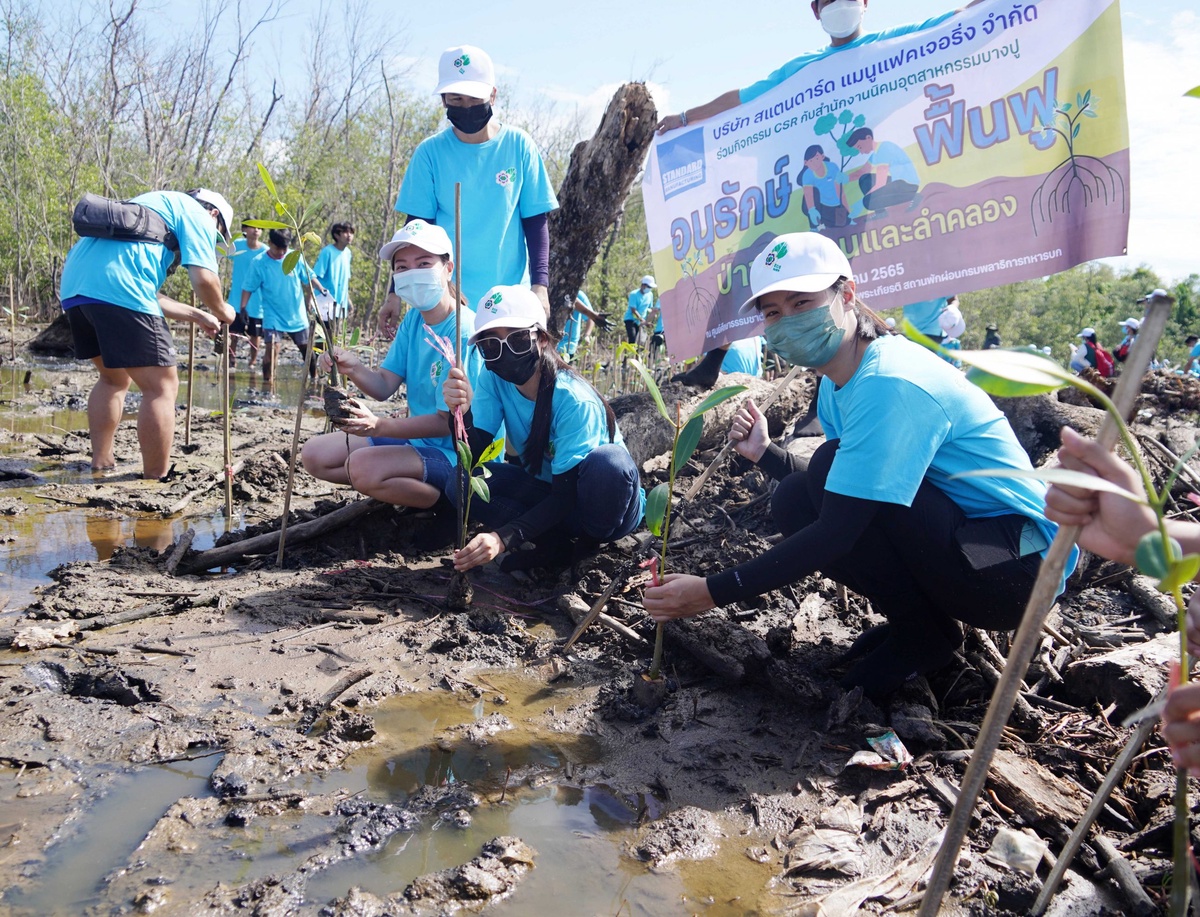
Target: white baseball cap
{"x":1160,"y":292}
{"x":1087,"y":333}
{"x":210,"y":198}
{"x":951,"y":322}
{"x":466,"y":70}
{"x":1132,"y":323}
{"x":508,"y":307}
{"x":428,"y":236}
{"x":803,"y":262}
{"x":648,"y":281}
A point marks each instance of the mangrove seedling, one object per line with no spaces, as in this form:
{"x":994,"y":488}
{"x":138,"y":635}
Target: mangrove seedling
{"x":659,"y":500}
{"x":1018,"y":373}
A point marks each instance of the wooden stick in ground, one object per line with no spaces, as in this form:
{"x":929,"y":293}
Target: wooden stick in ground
{"x":1025,"y":644}
{"x":463,"y":471}
{"x":264,"y":544}
{"x":287,"y":491}
{"x":12,"y":318}
{"x":226,"y":408}
{"x":728,"y":447}
{"x":187,"y":415}
{"x":180,"y":505}
{"x":1075,"y":841}
{"x":344,"y":684}
{"x":617,"y":582}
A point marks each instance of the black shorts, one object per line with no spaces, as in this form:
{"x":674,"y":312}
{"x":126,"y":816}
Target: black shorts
{"x":120,"y":337}
{"x":244,"y":324}
{"x":299,"y":338}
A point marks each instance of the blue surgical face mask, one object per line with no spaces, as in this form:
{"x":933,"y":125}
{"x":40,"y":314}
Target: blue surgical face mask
{"x":808,"y":338}
{"x":423,"y":287}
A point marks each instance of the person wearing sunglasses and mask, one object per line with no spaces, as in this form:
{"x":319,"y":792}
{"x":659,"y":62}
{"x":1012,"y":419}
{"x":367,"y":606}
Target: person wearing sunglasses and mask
{"x":574,"y":478}
{"x":878,"y":507}
{"x":842,"y":21}
{"x":506,"y":190}
{"x":412,"y":459}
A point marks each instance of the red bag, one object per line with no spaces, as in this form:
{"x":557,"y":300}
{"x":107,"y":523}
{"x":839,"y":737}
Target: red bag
{"x":1104,"y":362}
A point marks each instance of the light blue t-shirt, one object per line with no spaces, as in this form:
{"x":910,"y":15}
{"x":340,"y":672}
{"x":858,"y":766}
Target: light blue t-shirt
{"x":243,"y":257}
{"x":900,"y":167}
{"x":906,"y":415}
{"x":826,"y":185}
{"x":658,"y":325}
{"x":924,"y":315}
{"x":504,"y":181}
{"x":332,"y":271}
{"x":798,"y":63}
{"x":640,"y":305}
{"x":424,"y":369}
{"x":129,"y":274}
{"x":744,"y":356}
{"x":577,"y":424}
{"x":282,"y":294}
{"x":573,"y":326}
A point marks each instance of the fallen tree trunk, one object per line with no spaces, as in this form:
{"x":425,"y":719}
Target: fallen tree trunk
{"x":594,"y":191}
{"x":265,"y":544}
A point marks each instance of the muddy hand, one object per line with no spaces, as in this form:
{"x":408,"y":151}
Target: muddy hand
{"x":481,"y":549}
{"x":680,"y":596}
{"x":359,"y":420}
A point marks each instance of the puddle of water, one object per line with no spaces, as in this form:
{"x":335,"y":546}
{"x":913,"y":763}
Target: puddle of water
{"x":74,"y":876}
{"x":579,"y":831}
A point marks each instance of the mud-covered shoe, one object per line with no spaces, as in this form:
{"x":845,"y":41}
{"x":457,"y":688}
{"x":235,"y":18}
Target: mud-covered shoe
{"x":867,"y":642}
{"x":902,"y":655}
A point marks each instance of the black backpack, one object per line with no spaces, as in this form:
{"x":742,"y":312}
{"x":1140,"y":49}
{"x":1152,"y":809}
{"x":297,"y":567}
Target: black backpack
{"x":123,"y":221}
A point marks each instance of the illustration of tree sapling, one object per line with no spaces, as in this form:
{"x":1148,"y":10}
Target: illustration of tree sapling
{"x":700,"y":300}
{"x":848,"y":122}
{"x":1079,"y":181}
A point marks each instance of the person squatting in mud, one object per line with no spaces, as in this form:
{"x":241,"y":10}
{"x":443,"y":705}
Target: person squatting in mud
{"x":877,"y":507}
{"x":575,"y":478}
{"x":412,"y":459}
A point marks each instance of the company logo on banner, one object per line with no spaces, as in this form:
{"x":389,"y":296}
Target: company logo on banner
{"x":988,"y":147}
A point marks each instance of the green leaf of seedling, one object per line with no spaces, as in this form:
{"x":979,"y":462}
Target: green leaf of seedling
{"x":280,"y":209}
{"x":291,"y":260}
{"x":656,"y":508}
{"x":492,"y":452}
{"x":1034,"y":374}
{"x":1060,"y":476}
{"x":480,"y":488}
{"x":1005,"y":388}
{"x":267,"y":180}
{"x":1149,"y":556}
{"x":652,"y":387}
{"x":266,"y":224}
{"x":715,"y":398}
{"x":689,"y":439}
{"x":464,"y":453}
{"x":1193,"y":93}
{"x":354,"y":336}
{"x":310,"y":237}
{"x":1183,"y":571}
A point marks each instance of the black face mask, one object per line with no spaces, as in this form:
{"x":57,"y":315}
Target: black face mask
{"x":515,"y":368}
{"x":470,"y":119}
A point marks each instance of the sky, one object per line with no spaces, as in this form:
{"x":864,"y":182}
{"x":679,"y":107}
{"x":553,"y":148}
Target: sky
{"x":576,"y":55}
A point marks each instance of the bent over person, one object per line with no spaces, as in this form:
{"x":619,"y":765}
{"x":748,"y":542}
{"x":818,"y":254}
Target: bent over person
{"x":118,"y":317}
{"x":878,"y":507}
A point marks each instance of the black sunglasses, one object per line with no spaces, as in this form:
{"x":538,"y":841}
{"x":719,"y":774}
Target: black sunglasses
{"x":519,"y":342}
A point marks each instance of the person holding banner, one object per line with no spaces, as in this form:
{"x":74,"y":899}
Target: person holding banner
{"x":842,"y":21}
{"x":878,"y":507}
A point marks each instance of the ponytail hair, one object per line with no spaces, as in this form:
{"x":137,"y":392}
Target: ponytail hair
{"x":551,"y":364}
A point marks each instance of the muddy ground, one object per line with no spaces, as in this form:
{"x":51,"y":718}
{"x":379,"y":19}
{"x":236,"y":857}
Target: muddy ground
{"x":280,"y":669}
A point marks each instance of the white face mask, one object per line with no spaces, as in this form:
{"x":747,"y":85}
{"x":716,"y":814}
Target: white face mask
{"x":423,"y":287}
{"x":842,"y":18}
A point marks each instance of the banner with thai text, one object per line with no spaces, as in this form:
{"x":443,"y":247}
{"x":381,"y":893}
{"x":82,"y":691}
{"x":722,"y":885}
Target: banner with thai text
{"x":990,"y":148}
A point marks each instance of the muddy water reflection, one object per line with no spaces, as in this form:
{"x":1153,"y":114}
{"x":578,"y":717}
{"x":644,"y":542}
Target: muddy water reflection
{"x":579,"y":828}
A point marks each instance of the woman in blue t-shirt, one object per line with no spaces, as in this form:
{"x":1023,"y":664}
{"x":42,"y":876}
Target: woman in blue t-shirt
{"x":878,"y":507}
{"x":824,"y":185}
{"x":575,"y":478}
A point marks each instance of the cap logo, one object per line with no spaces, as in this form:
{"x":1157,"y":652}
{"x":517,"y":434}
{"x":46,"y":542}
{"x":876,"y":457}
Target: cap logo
{"x":775,"y":256}
{"x":506,"y":177}
{"x":462,"y":62}
{"x":492,"y":302}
